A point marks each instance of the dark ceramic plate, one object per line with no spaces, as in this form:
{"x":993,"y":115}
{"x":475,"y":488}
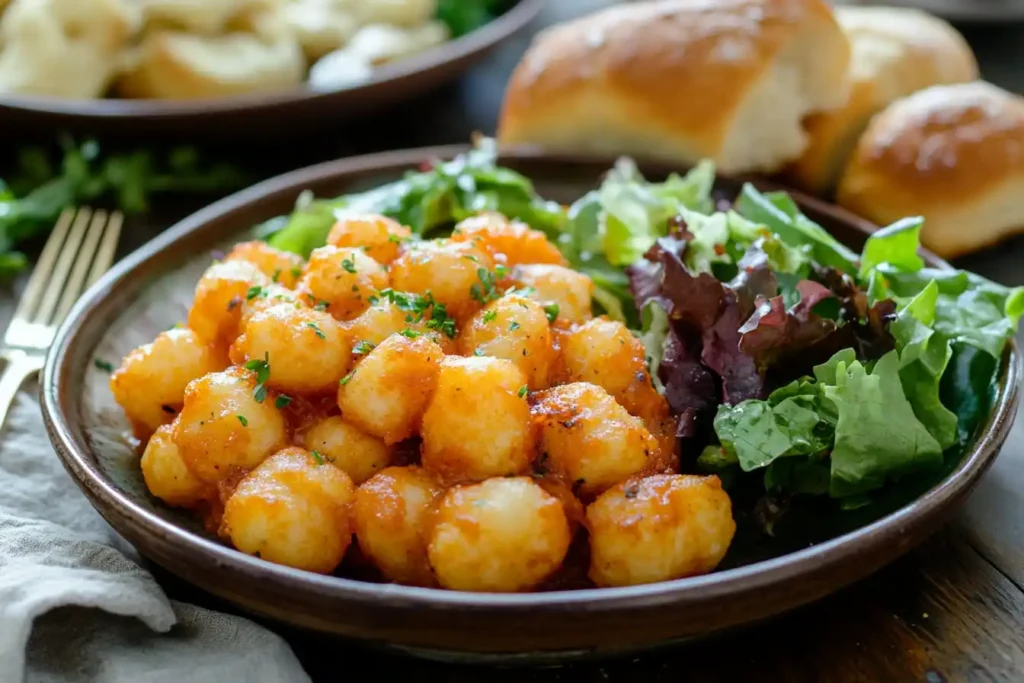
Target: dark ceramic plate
{"x":261,"y":112}
{"x":150,"y":291}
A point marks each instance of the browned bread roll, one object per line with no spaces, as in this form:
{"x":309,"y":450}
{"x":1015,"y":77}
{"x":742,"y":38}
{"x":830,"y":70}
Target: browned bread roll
{"x":896,"y":51}
{"x":953,"y":154}
{"x":681,"y":80}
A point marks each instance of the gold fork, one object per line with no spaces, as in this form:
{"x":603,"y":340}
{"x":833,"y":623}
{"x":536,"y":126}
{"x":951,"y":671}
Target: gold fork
{"x":80,"y":249}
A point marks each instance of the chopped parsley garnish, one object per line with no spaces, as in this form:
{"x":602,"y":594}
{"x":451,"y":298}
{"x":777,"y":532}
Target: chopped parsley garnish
{"x":420,"y":309}
{"x":254,"y":292}
{"x":262,"y":370}
{"x":394,"y":239}
{"x":316,"y":329}
{"x":490,"y":315}
{"x":522,"y":391}
{"x":363,"y":348}
{"x":322,"y":306}
{"x":487,"y":290}
{"x":349,"y":265}
{"x":410,"y":334}
{"x":243,"y":420}
{"x":316,"y":456}
{"x":551,"y":311}
{"x":470,"y":257}
{"x":478,"y":351}
{"x":282,"y":401}
{"x":276,"y":275}
{"x":345,"y":380}
{"x":296,"y":271}
{"x":103,"y":365}
{"x":513,"y":326}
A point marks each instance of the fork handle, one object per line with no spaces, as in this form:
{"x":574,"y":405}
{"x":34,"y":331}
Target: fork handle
{"x":19,"y":368}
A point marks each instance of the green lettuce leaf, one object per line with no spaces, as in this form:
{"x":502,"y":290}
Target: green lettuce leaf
{"x":896,"y":245}
{"x":780,"y":214}
{"x":637,"y":212}
{"x":878,"y":437}
{"x":654,"y":329}
{"x":924,"y":357}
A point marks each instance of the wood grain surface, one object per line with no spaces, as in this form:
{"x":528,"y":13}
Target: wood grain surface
{"x":951,"y":611}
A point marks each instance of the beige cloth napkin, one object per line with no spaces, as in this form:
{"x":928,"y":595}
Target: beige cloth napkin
{"x":74,"y":604}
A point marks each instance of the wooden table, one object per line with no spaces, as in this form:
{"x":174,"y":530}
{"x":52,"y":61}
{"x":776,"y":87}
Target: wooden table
{"x":953,"y":610}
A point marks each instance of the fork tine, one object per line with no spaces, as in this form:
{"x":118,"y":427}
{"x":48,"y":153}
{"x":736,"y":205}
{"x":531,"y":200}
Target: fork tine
{"x":44,"y":267}
{"x":59,"y":275}
{"x":108,"y":249}
{"x":75,"y":284}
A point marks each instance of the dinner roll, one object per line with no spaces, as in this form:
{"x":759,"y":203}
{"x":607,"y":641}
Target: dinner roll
{"x":681,"y":80}
{"x":259,"y":54}
{"x":953,"y":154}
{"x":896,"y":51}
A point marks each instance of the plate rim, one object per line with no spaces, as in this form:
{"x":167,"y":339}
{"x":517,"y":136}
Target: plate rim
{"x":757,"y":576}
{"x":451,"y":52}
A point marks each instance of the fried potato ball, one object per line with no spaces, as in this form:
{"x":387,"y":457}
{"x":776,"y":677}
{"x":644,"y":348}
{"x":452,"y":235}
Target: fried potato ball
{"x":306,"y":349}
{"x":150,"y":384}
{"x":477,"y":424}
{"x":514,"y":328}
{"x":392,"y":516}
{"x":166,"y":475}
{"x":511,"y":242}
{"x":384,"y":318}
{"x":501,"y":535}
{"x":563,"y":287}
{"x":380,"y":237}
{"x":458,"y":274}
{"x":259,"y":300}
{"x":387,"y":392}
{"x":281,"y":267}
{"x":590,"y":440}
{"x":660,"y":528}
{"x":343,"y":278}
{"x":223,"y":428}
{"x":604,"y":352}
{"x":293,"y":509}
{"x":219,"y":296}
{"x":357,"y":453}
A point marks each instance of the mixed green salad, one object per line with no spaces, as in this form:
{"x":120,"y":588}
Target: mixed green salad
{"x":790,"y":360}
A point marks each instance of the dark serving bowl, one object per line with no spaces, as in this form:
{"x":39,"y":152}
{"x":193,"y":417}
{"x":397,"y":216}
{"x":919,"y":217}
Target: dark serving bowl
{"x":262,"y":112}
{"x":151,"y":290}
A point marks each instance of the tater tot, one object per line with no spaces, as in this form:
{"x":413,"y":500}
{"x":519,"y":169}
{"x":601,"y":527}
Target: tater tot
{"x":512,"y":242}
{"x":379,"y":236}
{"x":292,"y":510}
{"x":342,"y":279}
{"x":450,"y":271}
{"x":280,"y":266}
{"x":567,"y":289}
{"x":259,"y":300}
{"x":387,"y":392}
{"x":357,"y":453}
{"x":477,"y":424}
{"x":514,"y":328}
{"x":150,"y":384}
{"x":604,"y":352}
{"x":502,"y":535}
{"x":219,"y":296}
{"x":659,"y":528}
{"x":384,"y":318}
{"x":166,"y":475}
{"x":305,"y":348}
{"x":590,"y":440}
{"x":222,"y":428}
{"x":392,"y":514}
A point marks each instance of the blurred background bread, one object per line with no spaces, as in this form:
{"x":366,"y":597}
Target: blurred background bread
{"x":953,"y":154}
{"x":895,"y":52}
{"x":681,"y":80}
{"x":64,"y":48}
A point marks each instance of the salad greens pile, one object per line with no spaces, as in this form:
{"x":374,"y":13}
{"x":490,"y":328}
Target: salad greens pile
{"x":35,"y":196}
{"x":785,"y":355}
